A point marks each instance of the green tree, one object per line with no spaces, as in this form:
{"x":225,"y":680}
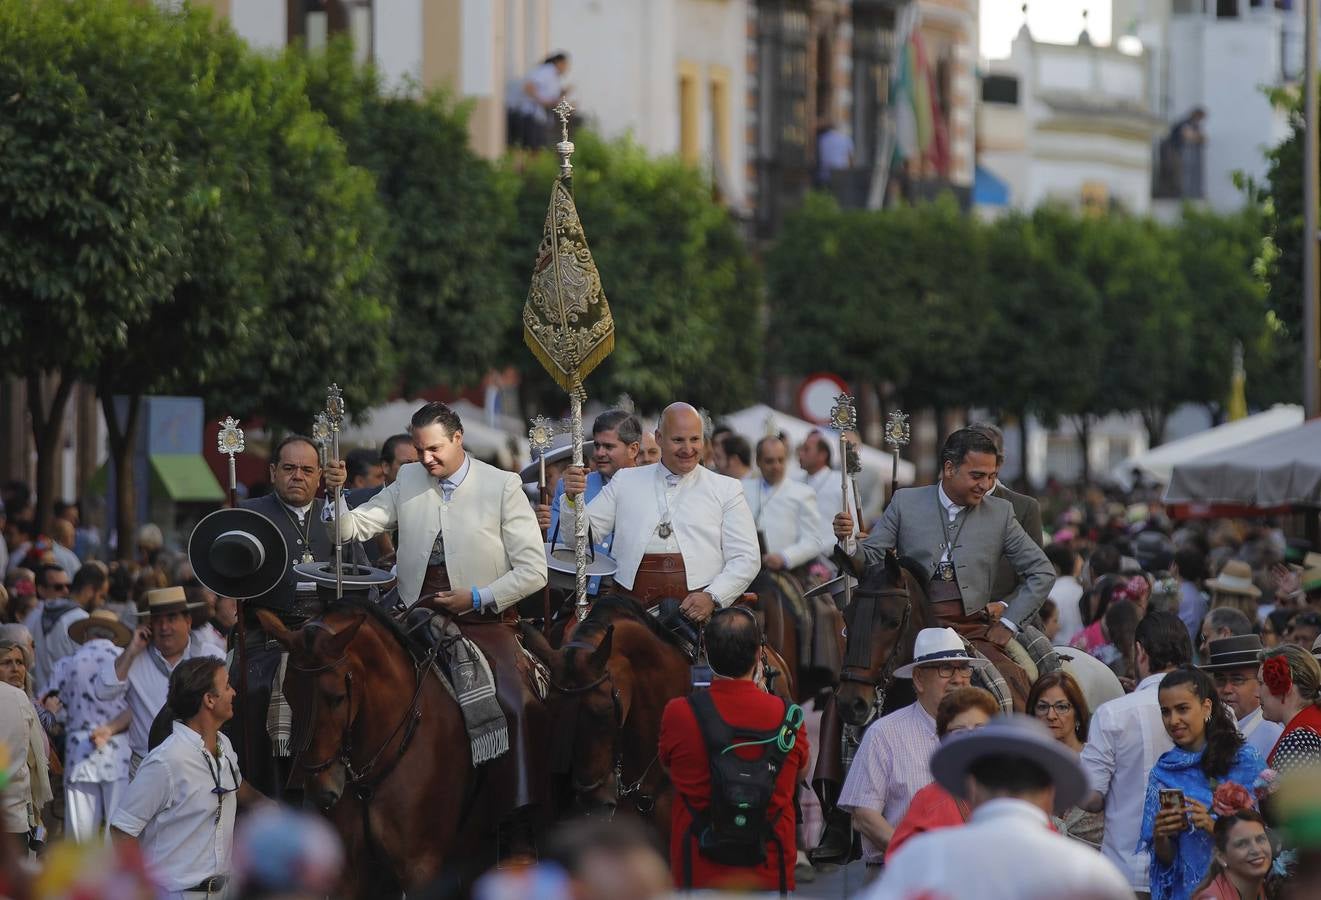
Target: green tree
{"x":685,"y":295}
{"x":90,"y":241}
{"x":450,"y":215}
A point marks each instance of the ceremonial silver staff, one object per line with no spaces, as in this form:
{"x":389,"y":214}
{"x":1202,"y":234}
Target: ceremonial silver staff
{"x":897,"y":435}
{"x":230,"y":442}
{"x":567,"y":322}
{"x":844,"y":418}
{"x":334,"y":418}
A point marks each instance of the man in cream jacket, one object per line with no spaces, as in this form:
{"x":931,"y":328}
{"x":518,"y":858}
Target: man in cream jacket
{"x":469,"y":544}
{"x":680,"y":530}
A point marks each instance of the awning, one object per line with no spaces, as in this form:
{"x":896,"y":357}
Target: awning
{"x":187,"y":478}
{"x":1281,"y":469}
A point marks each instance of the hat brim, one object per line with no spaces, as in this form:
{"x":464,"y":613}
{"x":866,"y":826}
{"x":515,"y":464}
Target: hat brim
{"x":1249,"y":661}
{"x":952,"y":759}
{"x":834,"y":587}
{"x":1222,"y":588}
{"x":532,"y":471}
{"x":275,"y":560}
{"x":352,"y":576}
{"x":562,"y":569}
{"x":122,"y":635}
{"x":907,"y":671}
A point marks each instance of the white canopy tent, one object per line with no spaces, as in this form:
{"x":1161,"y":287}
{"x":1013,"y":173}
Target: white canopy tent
{"x":1157,"y":464}
{"x":1281,"y":469}
{"x":756,"y":422}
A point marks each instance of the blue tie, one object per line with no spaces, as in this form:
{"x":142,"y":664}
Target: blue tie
{"x":672,"y":480}
{"x":447,"y":488}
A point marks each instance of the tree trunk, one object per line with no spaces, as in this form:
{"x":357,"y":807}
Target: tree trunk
{"x":1024,"y":476}
{"x":1083,"y":425}
{"x":47,"y":429}
{"x":1154,"y":421}
{"x":123,"y":438}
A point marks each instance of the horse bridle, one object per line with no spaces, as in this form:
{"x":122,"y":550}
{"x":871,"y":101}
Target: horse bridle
{"x":880,"y":682}
{"x":644,"y":803}
{"x":362,"y":780}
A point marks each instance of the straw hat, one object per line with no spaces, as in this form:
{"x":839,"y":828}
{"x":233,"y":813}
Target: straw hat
{"x":935,"y":646}
{"x":1235,"y":578}
{"x":164,"y":601}
{"x":102,"y":623}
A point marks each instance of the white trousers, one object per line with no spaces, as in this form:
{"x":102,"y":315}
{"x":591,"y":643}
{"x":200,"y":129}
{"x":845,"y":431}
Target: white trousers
{"x":88,"y":806}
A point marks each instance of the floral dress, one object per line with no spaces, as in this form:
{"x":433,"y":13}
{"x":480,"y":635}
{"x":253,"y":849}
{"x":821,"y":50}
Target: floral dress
{"x":84,"y":711}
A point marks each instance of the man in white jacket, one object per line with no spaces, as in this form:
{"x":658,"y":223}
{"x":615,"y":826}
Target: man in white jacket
{"x":468,"y":544}
{"x":785,"y":512}
{"x":681,"y":531}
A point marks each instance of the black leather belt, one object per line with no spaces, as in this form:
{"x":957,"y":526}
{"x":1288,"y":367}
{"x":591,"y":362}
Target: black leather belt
{"x":213,"y":885}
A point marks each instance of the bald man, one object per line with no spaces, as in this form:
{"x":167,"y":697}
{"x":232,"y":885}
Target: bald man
{"x":785,"y":512}
{"x":680,"y":530}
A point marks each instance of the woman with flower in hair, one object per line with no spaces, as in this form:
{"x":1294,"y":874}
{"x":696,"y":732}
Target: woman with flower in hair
{"x":1292,"y":680}
{"x":1209,"y":770}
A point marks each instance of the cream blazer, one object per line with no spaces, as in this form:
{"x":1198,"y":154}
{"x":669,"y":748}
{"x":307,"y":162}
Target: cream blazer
{"x":491,"y":534}
{"x":712,"y":526}
{"x":790,"y":518}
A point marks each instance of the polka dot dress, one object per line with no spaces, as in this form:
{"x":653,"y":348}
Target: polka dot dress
{"x":1300,"y":747}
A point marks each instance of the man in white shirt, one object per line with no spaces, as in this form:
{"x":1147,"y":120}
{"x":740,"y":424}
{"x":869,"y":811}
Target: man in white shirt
{"x":1066,"y":592}
{"x":180,"y":807}
{"x":20,"y":736}
{"x":814,"y":455}
{"x":681,"y":530}
{"x":50,"y":621}
{"x":1124,"y":741}
{"x":1014,"y":776}
{"x":1233,"y":663}
{"x":785,"y":512}
{"x":142,"y":671}
{"x":892,"y":762}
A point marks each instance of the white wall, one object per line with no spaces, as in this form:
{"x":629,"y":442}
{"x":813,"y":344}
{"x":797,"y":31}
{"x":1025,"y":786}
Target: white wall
{"x":261,"y":23}
{"x":398,"y":40}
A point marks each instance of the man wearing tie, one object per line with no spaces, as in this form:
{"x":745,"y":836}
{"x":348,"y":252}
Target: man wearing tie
{"x":469,"y":544}
{"x":957,"y":534}
{"x":680,"y":530}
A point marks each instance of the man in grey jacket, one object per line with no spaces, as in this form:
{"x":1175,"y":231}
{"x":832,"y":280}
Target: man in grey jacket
{"x":957,"y":534}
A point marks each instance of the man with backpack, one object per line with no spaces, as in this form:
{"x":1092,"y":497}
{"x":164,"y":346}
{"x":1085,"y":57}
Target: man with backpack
{"x":735,"y":755}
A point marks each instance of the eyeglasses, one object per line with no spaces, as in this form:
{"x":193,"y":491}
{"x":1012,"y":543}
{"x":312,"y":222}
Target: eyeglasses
{"x":1235,"y":680}
{"x":1063,"y":708}
{"x":947,"y":671}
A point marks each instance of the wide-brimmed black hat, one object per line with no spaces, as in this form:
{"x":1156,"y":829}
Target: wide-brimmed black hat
{"x":1012,"y":735}
{"x":238,"y":553}
{"x":1236,"y":652}
{"x":357,"y":580}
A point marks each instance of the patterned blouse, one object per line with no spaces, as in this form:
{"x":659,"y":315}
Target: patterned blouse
{"x":73,"y":677}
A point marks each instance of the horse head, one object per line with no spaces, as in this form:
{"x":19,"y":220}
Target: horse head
{"x":875,"y":622}
{"x":326,"y":683}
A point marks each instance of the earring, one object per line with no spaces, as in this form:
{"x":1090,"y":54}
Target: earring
{"x":1208,"y":720}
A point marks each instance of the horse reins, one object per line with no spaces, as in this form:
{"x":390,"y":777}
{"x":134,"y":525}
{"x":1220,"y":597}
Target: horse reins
{"x":881,"y":681}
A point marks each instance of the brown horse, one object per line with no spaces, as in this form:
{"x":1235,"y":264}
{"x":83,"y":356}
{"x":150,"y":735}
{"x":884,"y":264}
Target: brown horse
{"x":777,"y":592}
{"x":382,"y":749}
{"x":610,"y":682}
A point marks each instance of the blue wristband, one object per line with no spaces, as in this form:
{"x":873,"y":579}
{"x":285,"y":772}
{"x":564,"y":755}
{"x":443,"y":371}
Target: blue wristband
{"x":476,"y":600}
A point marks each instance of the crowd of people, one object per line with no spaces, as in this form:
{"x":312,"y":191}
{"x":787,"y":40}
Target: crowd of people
{"x":1165,"y":757}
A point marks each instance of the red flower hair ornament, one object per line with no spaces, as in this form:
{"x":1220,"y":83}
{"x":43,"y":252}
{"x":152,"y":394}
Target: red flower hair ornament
{"x":1230,"y":797}
{"x":1277,"y":675}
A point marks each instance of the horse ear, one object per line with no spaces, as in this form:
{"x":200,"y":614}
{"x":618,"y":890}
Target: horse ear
{"x":275,"y":628}
{"x":601,"y":655}
{"x":334,"y":646}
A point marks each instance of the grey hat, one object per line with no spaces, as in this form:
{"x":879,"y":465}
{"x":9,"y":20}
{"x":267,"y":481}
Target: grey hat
{"x":1010,"y":735}
{"x":562,"y":451}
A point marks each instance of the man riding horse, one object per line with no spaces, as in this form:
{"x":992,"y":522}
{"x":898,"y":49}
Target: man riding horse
{"x":958,"y":534}
{"x":470,"y":549}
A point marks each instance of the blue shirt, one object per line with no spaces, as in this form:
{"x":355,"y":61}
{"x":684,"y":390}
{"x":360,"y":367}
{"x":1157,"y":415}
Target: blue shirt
{"x":602,"y":544}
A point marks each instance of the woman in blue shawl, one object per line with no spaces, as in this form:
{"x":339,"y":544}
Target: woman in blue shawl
{"x":1208,"y":751}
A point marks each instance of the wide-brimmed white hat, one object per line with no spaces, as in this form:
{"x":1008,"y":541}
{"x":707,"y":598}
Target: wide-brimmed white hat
{"x":1010,"y":735}
{"x":1235,"y":578}
{"x":935,"y":646}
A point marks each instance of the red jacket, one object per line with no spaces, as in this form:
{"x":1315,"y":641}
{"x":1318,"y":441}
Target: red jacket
{"x":683,"y":752}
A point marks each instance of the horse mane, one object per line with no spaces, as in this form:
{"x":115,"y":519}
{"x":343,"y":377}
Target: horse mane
{"x":614,"y":606}
{"x":910,"y":565}
{"x":375,"y":612}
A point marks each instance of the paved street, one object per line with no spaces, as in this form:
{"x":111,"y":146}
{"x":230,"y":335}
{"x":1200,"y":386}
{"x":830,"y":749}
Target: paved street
{"x":847,"y":881}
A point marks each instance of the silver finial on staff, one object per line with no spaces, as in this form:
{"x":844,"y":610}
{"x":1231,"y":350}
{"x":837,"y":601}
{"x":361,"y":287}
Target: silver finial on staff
{"x":844,"y":418}
{"x":334,"y":419}
{"x":539,"y":438}
{"x":565,"y":146}
{"x":897,"y":434}
{"x":230,"y":442}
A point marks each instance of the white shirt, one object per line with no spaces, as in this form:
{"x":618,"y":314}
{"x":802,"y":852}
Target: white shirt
{"x":1259,"y":732}
{"x":952,"y":511}
{"x":788,"y":515}
{"x":170,"y":807}
{"x":146,"y":687}
{"x":1066,"y":593}
{"x":545,"y":82}
{"x":1006,"y":851}
{"x":49,"y":647}
{"x":1124,"y":741}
